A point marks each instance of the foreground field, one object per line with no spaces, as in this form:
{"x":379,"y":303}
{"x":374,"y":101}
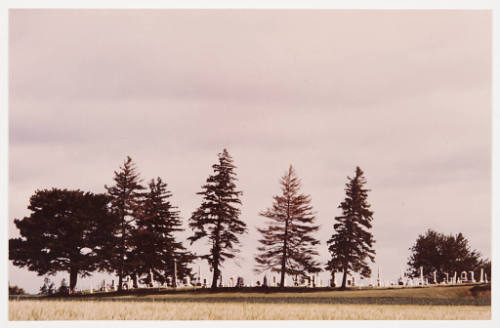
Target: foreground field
{"x":110,"y":310}
{"x":435,"y":303}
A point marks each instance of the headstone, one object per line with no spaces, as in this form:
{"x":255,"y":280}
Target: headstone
{"x":485,"y":278}
{"x":314,"y":281}
{"x":472,"y":276}
{"x":221,"y":284}
{"x":353,"y":281}
{"x":454,"y":277}
{"x":447,"y":277}
{"x":421,"y":275}
{"x":481,"y":276}
{"x":434,"y":281}
{"x":91,"y":290}
{"x":204,"y":282}
{"x":463,"y":276}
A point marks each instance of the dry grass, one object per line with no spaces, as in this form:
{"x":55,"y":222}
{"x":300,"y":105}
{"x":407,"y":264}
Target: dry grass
{"x":434,"y":303}
{"x":112,"y":310}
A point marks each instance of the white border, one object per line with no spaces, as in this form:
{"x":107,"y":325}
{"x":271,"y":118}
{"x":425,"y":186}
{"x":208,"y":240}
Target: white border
{"x":259,"y":4}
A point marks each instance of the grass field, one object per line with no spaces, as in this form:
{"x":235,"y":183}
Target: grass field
{"x":416,"y":303}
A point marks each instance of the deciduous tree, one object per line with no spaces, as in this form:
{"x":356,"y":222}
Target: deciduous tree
{"x":434,"y":251}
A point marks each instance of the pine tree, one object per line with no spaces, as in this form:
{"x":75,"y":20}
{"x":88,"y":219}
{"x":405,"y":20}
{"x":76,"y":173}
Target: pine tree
{"x":351,"y":244}
{"x":66,"y":231}
{"x":126,"y":197}
{"x":217,"y":218}
{"x":156,"y":245}
{"x":287,"y":243}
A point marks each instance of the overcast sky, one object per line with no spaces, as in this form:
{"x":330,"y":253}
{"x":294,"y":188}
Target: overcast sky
{"x":406,"y":95}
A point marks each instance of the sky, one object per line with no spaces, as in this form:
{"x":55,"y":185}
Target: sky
{"x":405,"y":95}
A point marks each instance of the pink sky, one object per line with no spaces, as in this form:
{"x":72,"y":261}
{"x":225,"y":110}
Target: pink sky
{"x":406,"y":95}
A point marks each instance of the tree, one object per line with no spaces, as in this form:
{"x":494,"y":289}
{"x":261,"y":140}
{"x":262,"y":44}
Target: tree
{"x":126,"y":198}
{"x":217,"y":218}
{"x":434,"y":251}
{"x":351,"y":244}
{"x":65,"y":231}
{"x":287,"y":242}
{"x":63,"y":288}
{"x":156,"y":246}
{"x":15,"y":290}
{"x":47,"y":287}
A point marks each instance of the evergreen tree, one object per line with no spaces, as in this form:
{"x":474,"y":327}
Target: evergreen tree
{"x":156,"y":246}
{"x":66,"y":231}
{"x":126,"y":197}
{"x":217,"y":218}
{"x":287,"y":243}
{"x":351,"y":244}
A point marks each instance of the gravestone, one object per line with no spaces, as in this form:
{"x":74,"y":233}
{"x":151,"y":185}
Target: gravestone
{"x":463,"y":276}
{"x":454,"y":277}
{"x":481,"y":276}
{"x":447,"y":277}
{"x":421,"y":275}
{"x":472,"y":276}
{"x":204,"y":282}
{"x":434,"y":281}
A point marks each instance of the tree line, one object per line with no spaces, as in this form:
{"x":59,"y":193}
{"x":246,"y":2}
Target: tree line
{"x":130,"y":230}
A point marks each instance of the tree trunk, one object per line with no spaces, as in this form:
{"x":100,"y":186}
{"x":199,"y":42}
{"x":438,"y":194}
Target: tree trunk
{"x":283,"y":260}
{"x":344,"y":279}
{"x":216,"y":254}
{"x":216,"y":273}
{"x":73,"y":276}
{"x":135,"y":280}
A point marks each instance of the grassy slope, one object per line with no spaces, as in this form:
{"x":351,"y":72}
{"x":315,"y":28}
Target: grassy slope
{"x":457,"y":302}
{"x":443,"y":295}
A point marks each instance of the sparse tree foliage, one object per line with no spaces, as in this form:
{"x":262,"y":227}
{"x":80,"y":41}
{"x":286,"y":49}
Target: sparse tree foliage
{"x":351,"y":245}
{"x":288,"y":242}
{"x":435,"y":251}
{"x":65,"y":232}
{"x":155,"y":242}
{"x":126,"y":197}
{"x":217,"y":218}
